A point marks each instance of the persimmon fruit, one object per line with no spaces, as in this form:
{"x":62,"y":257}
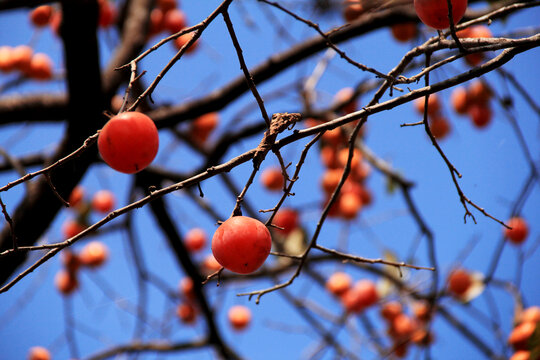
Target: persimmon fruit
{"x":518,"y":232}
{"x":360,"y":296}
{"x":94,"y":254}
{"x":76,"y":197}
{"x":434,"y":13}
{"x":174,"y":20}
{"x":338,"y":283}
{"x":41,"y":15}
{"x":40,"y":67}
{"x":39,"y":353}
{"x":272,"y":179}
{"x":66,"y":282}
{"x":390,"y":310}
{"x":439,"y":126}
{"x":460,"y":100}
{"x":404,"y":32}
{"x":70,"y":228}
{"x":480,"y":114}
{"x":287,"y":220}
{"x":103,"y":201}
{"x":7,"y":62}
{"x":202,"y":127}
{"x":129,"y":142}
{"x":195,"y":239}
{"x":241,"y":244}
{"x":459,"y":281}
{"x":239,"y":317}
{"x":186,"y":313}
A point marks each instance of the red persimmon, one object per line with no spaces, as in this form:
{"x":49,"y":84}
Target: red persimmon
{"x":129,"y":142}
{"x":434,"y":13}
{"x":241,"y":244}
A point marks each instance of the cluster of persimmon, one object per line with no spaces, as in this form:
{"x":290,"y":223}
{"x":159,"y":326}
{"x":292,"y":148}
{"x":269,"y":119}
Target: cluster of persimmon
{"x":404,"y":329}
{"x":525,"y":336}
{"x":166,"y":16}
{"x":356,"y":297}
{"x":438,"y":123}
{"x":334,"y":152}
{"x":39,"y":353}
{"x":93,"y":255}
{"x":22,"y":59}
{"x":103,"y":201}
{"x":474,"y":101}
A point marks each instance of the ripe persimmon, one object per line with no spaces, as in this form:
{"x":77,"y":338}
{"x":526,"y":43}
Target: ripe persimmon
{"x":404,"y":32}
{"x":186,"y":288}
{"x":338,"y":283}
{"x":272,"y":179}
{"x":39,"y":353}
{"x":434,"y":13}
{"x":174,"y":20}
{"x":434,"y":105}
{"x":186,"y":312}
{"x":480,"y":114}
{"x":40,"y":67}
{"x":518,"y":232}
{"x":66,"y":282}
{"x":239,"y":317}
{"x":530,"y":314}
{"x":22,"y":56}
{"x":7,"y":62}
{"x":202,"y":127}
{"x":459,"y":281}
{"x":182,"y":40}
{"x":41,"y":15}
{"x":94,"y":254}
{"x":349,"y":205}
{"x":70,"y":228}
{"x":520,"y":335}
{"x":76,"y":197}
{"x":390,"y":310}
{"x":352,"y":10}
{"x":103,"y":201}
{"x":360,"y":296}
{"x":129,"y":142}
{"x":287,"y":220}
{"x":460,"y":101}
{"x":70,"y":260}
{"x":195,"y":239}
{"x":241,"y":244}
{"x":403,"y":326}
{"x":439,"y":126}
{"x":107,"y":13}
{"x":210,"y":264}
